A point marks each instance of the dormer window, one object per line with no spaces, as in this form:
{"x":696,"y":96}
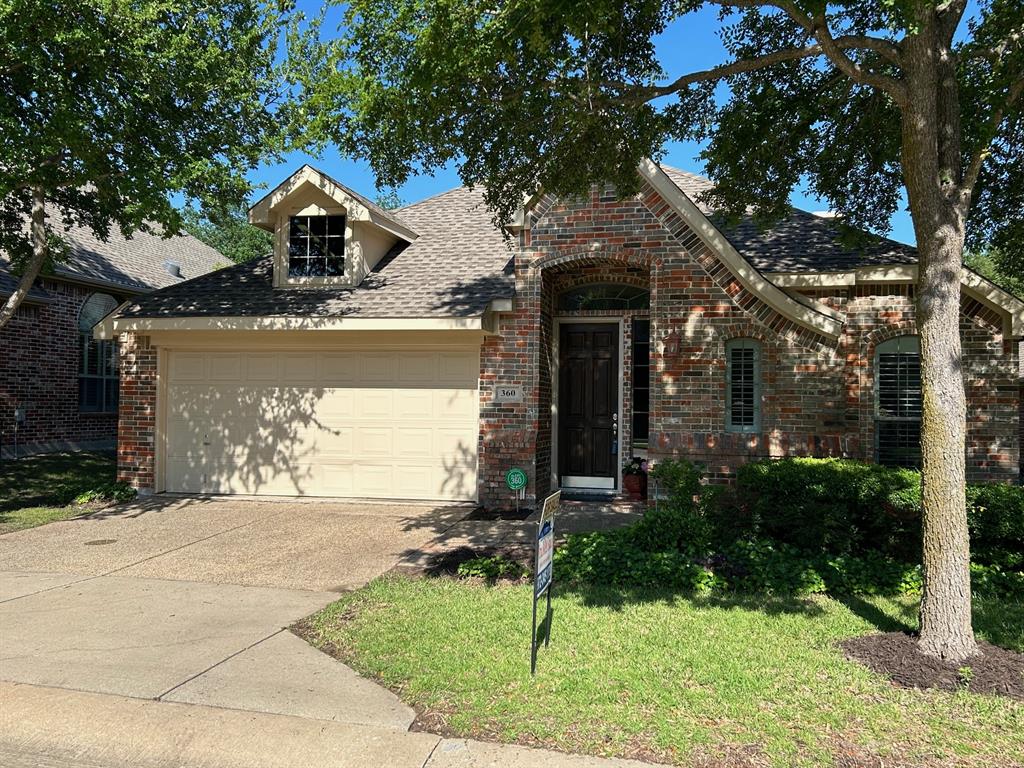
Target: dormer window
{"x":316,"y":246}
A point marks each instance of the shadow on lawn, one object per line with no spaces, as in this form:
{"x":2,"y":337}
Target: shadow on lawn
{"x":619,"y":598}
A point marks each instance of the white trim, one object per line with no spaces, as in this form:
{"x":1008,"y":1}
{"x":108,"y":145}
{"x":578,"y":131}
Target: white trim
{"x":279,"y":323}
{"x":588,"y":483}
{"x":749,"y":277}
{"x":557,"y":323}
{"x":974,"y":285}
{"x":261,"y":213}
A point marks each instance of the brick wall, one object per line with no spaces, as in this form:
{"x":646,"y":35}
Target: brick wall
{"x":39,"y":364}
{"x":818,"y":394}
{"x":136,"y":434}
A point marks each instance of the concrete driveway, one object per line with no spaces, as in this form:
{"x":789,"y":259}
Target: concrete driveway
{"x":189,"y":600}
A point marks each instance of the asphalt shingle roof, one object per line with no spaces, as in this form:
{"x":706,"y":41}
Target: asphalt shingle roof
{"x":460,"y":263}
{"x":803,"y":242}
{"x":134,"y":264}
{"x":455,"y":268}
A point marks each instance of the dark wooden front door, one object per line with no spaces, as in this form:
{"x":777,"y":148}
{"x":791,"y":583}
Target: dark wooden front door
{"x":588,"y":403}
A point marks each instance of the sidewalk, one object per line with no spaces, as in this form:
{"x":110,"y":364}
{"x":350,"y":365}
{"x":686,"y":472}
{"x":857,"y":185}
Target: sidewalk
{"x":42,"y":726}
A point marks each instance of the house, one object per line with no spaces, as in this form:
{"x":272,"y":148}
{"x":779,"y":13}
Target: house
{"x":420,"y":354}
{"x":58,"y":385}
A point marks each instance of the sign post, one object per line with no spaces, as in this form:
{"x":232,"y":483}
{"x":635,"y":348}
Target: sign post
{"x":543,"y":572}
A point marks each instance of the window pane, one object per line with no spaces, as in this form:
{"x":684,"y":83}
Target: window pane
{"x":641,"y":400}
{"x":335,"y":246}
{"x":89,"y":394}
{"x":298,"y":247}
{"x":93,"y":358}
{"x":741,"y":365}
{"x":298,"y":227}
{"x":899,"y":443}
{"x":335,"y":267}
{"x":318,"y":225}
{"x":110,"y":397}
{"x":604,"y":296}
{"x":336,"y":226}
{"x":641,"y":427}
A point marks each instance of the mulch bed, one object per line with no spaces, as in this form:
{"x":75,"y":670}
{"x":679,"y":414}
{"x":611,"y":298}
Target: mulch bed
{"x":447,"y":562}
{"x":894,"y":654}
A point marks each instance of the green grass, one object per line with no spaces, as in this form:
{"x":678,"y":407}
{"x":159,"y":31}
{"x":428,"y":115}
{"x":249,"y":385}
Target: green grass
{"x":668,"y":677}
{"x":39,"y":489}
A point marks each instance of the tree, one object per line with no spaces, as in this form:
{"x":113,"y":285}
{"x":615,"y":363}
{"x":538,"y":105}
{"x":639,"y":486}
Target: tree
{"x":230,"y":233}
{"x":862,"y":99}
{"x":992,"y":266}
{"x":109,"y":108}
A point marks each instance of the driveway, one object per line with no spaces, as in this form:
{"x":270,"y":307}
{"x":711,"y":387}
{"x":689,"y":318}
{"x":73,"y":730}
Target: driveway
{"x":189,"y":600}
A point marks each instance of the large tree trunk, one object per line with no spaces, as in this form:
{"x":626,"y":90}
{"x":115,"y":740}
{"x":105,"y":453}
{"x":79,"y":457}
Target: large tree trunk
{"x":35,"y":263}
{"x":931,"y":166}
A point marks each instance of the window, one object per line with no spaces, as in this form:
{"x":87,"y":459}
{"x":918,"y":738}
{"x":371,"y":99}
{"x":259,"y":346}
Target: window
{"x":898,"y":402}
{"x":97,"y":360}
{"x":641,"y":382}
{"x":604,"y":296}
{"x":742,"y":386}
{"x":316,"y":246}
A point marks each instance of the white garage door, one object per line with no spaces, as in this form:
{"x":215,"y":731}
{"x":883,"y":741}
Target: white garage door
{"x":396,"y":424}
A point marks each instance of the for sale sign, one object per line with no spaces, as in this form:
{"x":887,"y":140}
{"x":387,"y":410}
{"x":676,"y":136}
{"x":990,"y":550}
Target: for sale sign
{"x":546,"y":543}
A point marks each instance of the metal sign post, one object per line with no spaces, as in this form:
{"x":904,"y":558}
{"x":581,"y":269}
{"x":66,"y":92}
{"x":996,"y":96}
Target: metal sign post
{"x":543,"y":572}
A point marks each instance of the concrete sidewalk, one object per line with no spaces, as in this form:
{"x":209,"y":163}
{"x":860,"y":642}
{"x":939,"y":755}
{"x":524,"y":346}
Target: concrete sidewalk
{"x":42,"y":727}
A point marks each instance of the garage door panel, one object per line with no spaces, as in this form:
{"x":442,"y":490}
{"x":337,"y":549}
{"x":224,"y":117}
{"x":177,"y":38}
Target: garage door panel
{"x":225,"y":367}
{"x":375,"y":404}
{"x":386,"y":424}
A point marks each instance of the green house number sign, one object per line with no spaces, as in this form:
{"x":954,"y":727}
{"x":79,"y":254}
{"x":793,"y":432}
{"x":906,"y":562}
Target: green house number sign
{"x":515,"y":479}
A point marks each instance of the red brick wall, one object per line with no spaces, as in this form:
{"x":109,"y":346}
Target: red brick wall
{"x":39,"y":363}
{"x":136,"y":436}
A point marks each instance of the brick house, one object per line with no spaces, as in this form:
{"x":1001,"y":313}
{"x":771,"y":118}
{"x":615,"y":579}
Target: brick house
{"x":53,"y":373}
{"x":420,"y":354}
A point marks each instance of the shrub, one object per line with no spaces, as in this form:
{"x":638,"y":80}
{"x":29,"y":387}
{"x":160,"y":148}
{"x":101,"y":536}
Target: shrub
{"x":995,"y":514}
{"x":677,"y":521}
{"x":115,"y":493}
{"x":832,"y":505}
{"x":491,"y":568}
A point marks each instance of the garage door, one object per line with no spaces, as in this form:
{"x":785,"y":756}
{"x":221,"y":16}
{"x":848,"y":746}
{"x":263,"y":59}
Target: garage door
{"x":380,"y":424}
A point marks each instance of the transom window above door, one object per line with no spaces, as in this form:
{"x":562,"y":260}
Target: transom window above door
{"x":316,"y":246}
{"x":604,"y":297}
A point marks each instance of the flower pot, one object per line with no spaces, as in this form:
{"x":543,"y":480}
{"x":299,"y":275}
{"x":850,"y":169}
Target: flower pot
{"x":635,"y":486}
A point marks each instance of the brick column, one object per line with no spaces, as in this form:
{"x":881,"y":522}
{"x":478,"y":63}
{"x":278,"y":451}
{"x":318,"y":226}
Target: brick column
{"x":136,"y":427}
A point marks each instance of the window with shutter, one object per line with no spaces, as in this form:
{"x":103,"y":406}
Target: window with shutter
{"x":898,"y":402}
{"x":742,"y":386}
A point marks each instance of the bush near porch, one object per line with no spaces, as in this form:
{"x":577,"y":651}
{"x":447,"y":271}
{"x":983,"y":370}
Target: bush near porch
{"x":796,"y":526}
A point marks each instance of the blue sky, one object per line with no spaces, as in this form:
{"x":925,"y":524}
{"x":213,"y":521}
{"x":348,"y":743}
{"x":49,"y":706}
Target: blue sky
{"x":689,"y":45}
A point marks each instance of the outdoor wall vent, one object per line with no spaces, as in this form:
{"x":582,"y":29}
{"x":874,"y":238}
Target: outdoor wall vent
{"x":173,"y":268}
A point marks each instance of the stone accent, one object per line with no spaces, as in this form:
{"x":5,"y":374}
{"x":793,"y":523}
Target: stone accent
{"x":39,"y":364}
{"x":136,"y":435}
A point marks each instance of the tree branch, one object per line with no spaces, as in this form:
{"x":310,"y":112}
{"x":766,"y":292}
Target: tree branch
{"x":740,"y":66}
{"x":997,"y":51}
{"x":35,"y":264}
{"x":984,"y":149}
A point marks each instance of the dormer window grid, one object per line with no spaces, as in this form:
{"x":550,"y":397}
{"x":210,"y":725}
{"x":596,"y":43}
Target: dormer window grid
{"x":316,"y":246}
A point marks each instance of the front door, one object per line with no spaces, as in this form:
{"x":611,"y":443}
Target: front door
{"x":588,"y":405}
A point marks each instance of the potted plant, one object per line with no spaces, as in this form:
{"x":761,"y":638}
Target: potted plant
{"x":634,"y":478}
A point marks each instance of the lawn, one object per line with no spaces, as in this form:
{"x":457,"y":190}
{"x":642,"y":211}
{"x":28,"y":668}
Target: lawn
{"x":40,"y":489}
{"x":668,"y":677}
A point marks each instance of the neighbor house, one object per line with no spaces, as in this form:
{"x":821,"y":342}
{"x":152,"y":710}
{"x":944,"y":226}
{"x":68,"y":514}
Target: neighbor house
{"x":420,"y":354}
{"x":58,"y":385}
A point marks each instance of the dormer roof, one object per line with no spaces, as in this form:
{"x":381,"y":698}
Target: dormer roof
{"x":358,"y":208}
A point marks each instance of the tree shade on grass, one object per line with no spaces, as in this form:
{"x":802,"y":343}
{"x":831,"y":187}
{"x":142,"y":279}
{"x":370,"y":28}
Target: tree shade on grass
{"x":40,"y":489}
{"x":668,"y":677}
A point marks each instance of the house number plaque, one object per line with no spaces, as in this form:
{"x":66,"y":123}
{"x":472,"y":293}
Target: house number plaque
{"x":506,"y":394}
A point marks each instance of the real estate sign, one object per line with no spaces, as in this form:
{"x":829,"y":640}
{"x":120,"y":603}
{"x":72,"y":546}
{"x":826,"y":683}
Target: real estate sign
{"x":542,"y":572}
{"x":546,"y":543}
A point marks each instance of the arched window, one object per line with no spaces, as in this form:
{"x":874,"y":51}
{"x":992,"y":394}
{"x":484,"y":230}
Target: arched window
{"x":604,"y":296}
{"x":97,"y":362}
{"x":742,"y":385}
{"x":898,"y":402}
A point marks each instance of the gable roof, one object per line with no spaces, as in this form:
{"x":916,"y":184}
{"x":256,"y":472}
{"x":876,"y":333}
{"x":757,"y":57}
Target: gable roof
{"x":457,"y":266}
{"x":360,"y":208}
{"x":133,"y":265}
{"x":802,"y":242}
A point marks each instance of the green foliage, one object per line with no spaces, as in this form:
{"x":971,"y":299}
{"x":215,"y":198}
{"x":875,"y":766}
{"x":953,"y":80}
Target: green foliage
{"x":531,"y":94}
{"x":114,"y":493}
{"x":491,"y":568}
{"x":996,"y":266}
{"x":795,"y":527}
{"x":832,"y":505}
{"x":230,"y":233}
{"x":111,"y":108}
